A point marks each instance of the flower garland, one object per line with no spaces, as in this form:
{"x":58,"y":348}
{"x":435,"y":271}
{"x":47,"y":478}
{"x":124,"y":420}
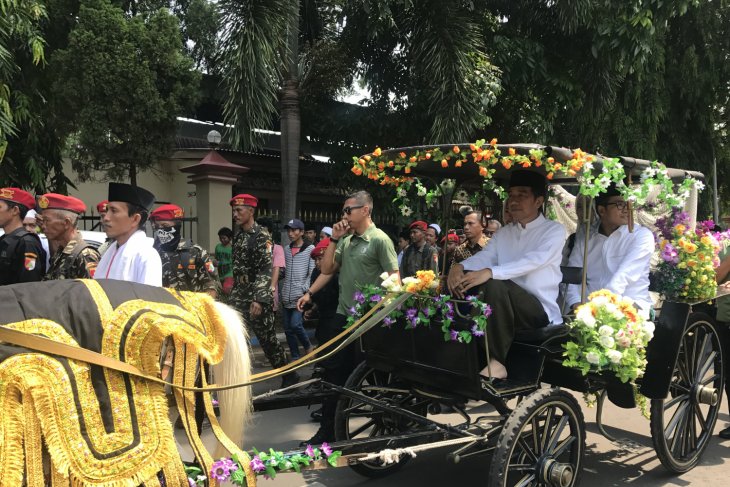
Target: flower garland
{"x":262,"y":463}
{"x":396,"y":171}
{"x":609,"y":334}
{"x":423,"y":307}
{"x":688,"y":258}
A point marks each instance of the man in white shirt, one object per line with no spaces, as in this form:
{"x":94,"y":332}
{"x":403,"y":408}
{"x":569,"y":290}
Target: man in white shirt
{"x":519,"y":269}
{"x":131,"y":257}
{"x":618,"y":260}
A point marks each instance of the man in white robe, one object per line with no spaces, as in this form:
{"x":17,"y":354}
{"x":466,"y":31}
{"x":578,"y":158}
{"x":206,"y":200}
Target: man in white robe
{"x":519,"y":269}
{"x":618,"y":260}
{"x":131,"y":257}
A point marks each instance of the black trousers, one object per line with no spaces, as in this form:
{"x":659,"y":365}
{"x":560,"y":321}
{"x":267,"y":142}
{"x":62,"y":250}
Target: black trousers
{"x":723,"y":330}
{"x":338,"y":367}
{"x":513,"y":309}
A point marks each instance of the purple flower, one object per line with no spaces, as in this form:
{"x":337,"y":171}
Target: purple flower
{"x":487,"y":311}
{"x":221,"y":469}
{"x":388,"y":321}
{"x":359,"y":297}
{"x":471,"y":298}
{"x":326,"y":449}
{"x":411,"y":313}
{"x":192,"y":483}
{"x":309,"y":451}
{"x":670,"y":254}
{"x":454,"y":335}
{"x":353,"y":310}
{"x":376,"y":298}
{"x":476,"y":331}
{"x":257,"y":465}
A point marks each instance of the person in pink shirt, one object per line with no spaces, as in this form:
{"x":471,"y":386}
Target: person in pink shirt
{"x":278,"y":263}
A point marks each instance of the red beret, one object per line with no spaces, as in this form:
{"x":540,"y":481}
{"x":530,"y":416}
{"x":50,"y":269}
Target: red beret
{"x":101,"y":207}
{"x":55,"y":201}
{"x":320,"y":248}
{"x":418,"y":225}
{"x":167,"y":212}
{"x":17,"y":195}
{"x":244,"y":199}
{"x":452,"y":238}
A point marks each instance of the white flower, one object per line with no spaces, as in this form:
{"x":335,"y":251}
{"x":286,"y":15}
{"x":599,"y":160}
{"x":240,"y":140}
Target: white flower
{"x":402,"y":192}
{"x":585,"y":315}
{"x":421,"y":190}
{"x":605,"y":330}
{"x":405,"y":211}
{"x":433,"y":284}
{"x":623,"y":341}
{"x":614,"y":356}
{"x":410,"y":280}
{"x":593,"y":358}
{"x":607,"y":342}
{"x":649,"y":330}
{"x":384,"y":276}
{"x":600,"y":300}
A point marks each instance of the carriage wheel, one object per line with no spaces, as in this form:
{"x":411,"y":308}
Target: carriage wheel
{"x":682,"y":424}
{"x":542,"y":443}
{"x":357,"y":420}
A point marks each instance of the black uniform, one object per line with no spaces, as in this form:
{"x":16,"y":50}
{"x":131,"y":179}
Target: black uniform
{"x":22,"y":258}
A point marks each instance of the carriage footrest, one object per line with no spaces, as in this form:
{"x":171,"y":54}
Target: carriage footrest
{"x":508,"y":387}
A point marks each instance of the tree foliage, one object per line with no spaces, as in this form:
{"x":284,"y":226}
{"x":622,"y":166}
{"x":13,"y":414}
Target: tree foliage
{"x":122,"y":82}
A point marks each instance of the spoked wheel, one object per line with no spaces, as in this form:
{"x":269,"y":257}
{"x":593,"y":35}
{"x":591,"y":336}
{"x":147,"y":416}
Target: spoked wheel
{"x":682,"y":424}
{"x":542,"y":443}
{"x":357,"y":420}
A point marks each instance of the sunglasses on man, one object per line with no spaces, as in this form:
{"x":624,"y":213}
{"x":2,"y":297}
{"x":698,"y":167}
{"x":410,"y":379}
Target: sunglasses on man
{"x":348,"y":209}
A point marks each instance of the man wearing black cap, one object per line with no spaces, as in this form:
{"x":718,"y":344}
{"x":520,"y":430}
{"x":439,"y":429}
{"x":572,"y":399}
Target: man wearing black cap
{"x":618,"y":260}
{"x":22,"y":258}
{"x":520,"y":269}
{"x":131,"y":257}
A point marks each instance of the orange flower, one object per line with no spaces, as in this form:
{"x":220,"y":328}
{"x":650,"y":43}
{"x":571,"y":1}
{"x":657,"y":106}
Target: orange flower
{"x":549,"y":175}
{"x":506,"y":163}
{"x":472,"y":147}
{"x":551,"y":160}
{"x":381,"y":166}
{"x":361,"y":161}
{"x":493,"y":142}
{"x":525,"y":164}
{"x":356,"y":170}
{"x":413,"y":159}
{"x":391,"y":164}
{"x":456,"y":149}
{"x":408,"y":170}
{"x":458,"y":163}
{"x":557,"y":166}
{"x":377,"y":152}
{"x":402,"y":155}
{"x":571,"y":172}
{"x":428,"y":155}
{"x":511,"y":151}
{"x":444,"y":163}
{"x":368,"y":158}
{"x":538,"y":163}
{"x":483,"y":171}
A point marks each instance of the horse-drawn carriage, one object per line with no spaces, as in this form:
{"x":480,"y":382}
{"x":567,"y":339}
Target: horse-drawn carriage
{"x":385,"y":410}
{"x":408,"y":374}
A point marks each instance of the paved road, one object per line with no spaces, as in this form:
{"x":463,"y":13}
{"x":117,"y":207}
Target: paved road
{"x":607,"y":463}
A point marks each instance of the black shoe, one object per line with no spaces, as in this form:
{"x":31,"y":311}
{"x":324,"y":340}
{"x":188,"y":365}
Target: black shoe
{"x":316,"y":415}
{"x":725,"y":434}
{"x":289,"y":379}
{"x":322,"y":435}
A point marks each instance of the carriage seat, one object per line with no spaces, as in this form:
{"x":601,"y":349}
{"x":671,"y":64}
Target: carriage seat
{"x":541,"y":335}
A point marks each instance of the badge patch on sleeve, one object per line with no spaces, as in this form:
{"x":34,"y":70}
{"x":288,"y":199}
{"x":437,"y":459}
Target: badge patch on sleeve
{"x":435,"y":257}
{"x":210,"y":267}
{"x":30,"y":259}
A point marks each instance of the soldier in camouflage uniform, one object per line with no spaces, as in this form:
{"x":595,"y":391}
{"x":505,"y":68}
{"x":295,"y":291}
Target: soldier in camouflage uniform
{"x":74,"y":257}
{"x":185,"y":266}
{"x":251,"y":294}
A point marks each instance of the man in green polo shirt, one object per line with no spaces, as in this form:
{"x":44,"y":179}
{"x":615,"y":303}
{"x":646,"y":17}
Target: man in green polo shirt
{"x":360,"y":252}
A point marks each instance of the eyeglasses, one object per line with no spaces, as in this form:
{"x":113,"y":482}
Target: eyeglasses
{"x":348,"y":209}
{"x":488,"y":233}
{"x":620,"y":205}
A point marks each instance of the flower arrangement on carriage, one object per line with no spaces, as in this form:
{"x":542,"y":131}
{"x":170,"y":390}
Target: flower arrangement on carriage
{"x":424,"y":307}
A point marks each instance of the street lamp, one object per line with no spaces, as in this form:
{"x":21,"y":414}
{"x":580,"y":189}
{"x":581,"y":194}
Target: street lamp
{"x":214,"y":138}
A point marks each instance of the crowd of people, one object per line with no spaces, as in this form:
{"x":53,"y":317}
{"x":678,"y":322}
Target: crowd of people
{"x":515,"y":264}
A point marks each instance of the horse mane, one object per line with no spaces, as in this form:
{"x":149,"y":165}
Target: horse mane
{"x":235,"y":404}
